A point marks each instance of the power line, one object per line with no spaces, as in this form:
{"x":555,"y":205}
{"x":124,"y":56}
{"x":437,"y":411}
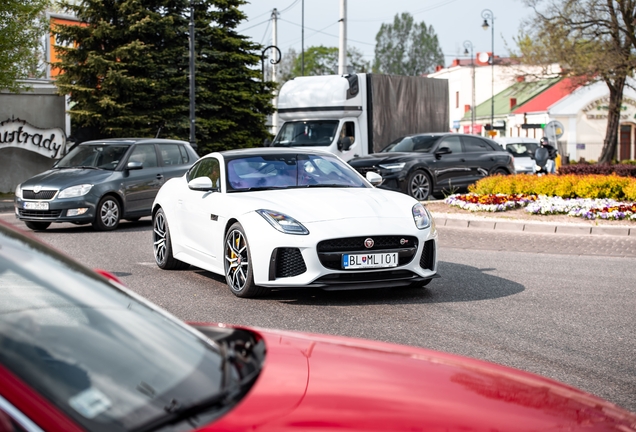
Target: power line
{"x":426,"y":9}
{"x":255,"y":25}
{"x":327,"y":34}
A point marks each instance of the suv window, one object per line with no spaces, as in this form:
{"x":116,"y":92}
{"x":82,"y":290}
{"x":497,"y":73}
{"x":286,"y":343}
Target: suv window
{"x":475,"y":145}
{"x":453,"y":143}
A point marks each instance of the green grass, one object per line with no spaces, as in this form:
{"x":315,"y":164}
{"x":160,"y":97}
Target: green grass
{"x":6,"y":196}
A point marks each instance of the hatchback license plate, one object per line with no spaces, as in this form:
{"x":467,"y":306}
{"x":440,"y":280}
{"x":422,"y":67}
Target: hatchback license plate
{"x":30,"y":205}
{"x":378,"y":260}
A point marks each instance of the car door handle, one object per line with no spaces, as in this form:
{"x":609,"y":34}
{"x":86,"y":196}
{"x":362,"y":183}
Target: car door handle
{"x":159,"y":176}
{"x":462,"y":160}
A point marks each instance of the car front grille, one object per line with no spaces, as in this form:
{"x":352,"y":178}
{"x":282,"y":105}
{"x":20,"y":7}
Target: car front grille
{"x":48,"y":214}
{"x":330,"y":251}
{"x":427,"y":261}
{"x":365,"y":170}
{"x":286,"y":262}
{"x":42,"y":195}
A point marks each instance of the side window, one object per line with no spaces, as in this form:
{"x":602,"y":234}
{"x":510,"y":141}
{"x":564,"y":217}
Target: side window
{"x":169,"y":154}
{"x":208,"y":167}
{"x":348,"y":130}
{"x":146,"y":154}
{"x":475,"y":145}
{"x":184,"y":155}
{"x":453,"y":143}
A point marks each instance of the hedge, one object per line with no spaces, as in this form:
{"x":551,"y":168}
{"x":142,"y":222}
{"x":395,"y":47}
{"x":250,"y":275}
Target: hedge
{"x":622,"y":169}
{"x":566,"y":186}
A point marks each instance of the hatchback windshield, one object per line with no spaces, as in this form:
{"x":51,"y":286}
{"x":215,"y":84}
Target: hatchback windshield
{"x":108,"y":360}
{"x":290,"y":171}
{"x":306,"y":133}
{"x":94,"y":156}
{"x":422,"y":143}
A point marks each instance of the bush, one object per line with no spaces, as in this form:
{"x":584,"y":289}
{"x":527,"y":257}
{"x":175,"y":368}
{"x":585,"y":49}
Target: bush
{"x":566,"y":186}
{"x":627,"y":169}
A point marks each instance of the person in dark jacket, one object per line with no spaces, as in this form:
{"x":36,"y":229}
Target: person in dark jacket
{"x":552,"y":154}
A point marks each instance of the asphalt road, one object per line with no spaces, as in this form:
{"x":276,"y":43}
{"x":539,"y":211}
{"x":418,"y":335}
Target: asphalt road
{"x":558,"y":305}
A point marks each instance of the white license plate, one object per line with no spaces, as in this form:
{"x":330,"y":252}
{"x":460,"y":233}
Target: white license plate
{"x":377,"y":260}
{"x":31,"y":205}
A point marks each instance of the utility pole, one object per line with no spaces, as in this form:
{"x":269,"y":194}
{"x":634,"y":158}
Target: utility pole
{"x":274,"y":62}
{"x":193,"y":140}
{"x":302,"y":40}
{"x":342,"y":55}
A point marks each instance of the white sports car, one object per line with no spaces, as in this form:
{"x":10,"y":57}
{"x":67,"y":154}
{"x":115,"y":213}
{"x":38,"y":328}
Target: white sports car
{"x":276,"y":218}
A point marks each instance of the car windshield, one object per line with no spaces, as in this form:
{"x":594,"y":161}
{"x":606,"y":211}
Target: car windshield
{"x":306,"y":133}
{"x":421,"y":143}
{"x":290,"y":171}
{"x":522,"y":149}
{"x":94,"y":156}
{"x":108,"y":360}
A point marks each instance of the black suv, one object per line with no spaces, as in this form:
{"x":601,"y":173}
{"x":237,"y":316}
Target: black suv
{"x":424,"y":164}
{"x":102,"y":182}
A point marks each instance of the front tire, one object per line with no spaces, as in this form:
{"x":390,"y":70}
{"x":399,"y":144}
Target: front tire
{"x":37,"y":226}
{"x":108,"y":214}
{"x":419,"y":185}
{"x":239,"y":273}
{"x":162,"y":244}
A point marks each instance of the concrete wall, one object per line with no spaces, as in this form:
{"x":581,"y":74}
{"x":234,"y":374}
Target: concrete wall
{"x":42,"y":108}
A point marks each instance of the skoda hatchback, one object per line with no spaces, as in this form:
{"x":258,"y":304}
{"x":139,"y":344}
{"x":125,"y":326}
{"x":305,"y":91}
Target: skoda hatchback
{"x":102,"y":182}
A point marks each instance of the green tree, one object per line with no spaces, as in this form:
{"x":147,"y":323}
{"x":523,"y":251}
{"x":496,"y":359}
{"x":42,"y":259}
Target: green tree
{"x":590,"y":39}
{"x":22,"y":25}
{"x":321,"y":60}
{"x":406,"y":48}
{"x":127,"y":72}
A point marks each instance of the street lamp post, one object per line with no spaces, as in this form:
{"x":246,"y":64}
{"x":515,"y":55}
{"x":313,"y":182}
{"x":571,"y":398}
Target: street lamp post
{"x":467,"y":45}
{"x":487,"y":14}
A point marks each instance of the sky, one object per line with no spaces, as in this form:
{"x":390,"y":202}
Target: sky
{"x":454,"y":21}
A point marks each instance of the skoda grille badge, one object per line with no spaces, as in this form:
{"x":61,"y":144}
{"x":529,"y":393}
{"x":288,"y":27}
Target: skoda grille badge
{"x":37,"y":189}
{"x":368,"y":243}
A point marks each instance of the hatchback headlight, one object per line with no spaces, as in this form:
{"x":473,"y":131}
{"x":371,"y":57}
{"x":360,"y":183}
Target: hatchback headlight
{"x":393,"y":166}
{"x":421,"y":216}
{"x":75,"y":191}
{"x":18,"y":191}
{"x":283,"y":223}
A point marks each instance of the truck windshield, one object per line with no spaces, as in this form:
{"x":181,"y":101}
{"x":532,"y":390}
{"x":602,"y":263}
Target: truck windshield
{"x":306,"y":133}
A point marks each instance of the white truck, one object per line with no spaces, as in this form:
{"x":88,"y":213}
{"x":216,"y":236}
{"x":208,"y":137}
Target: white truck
{"x":355,"y":115}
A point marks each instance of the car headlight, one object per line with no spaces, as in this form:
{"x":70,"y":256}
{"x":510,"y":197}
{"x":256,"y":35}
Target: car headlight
{"x":421,"y":216}
{"x":18,"y":191}
{"x":283,"y":223}
{"x":75,"y":191}
{"x":393,"y":166}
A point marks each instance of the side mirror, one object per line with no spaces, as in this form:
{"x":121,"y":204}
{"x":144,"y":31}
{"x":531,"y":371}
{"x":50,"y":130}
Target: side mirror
{"x":344,"y":144}
{"x":267,"y":142}
{"x":134,"y":166}
{"x":201,"y":184}
{"x":374,"y":178}
{"x":442,"y":151}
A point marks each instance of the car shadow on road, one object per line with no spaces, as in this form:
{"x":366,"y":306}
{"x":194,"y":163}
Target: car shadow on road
{"x":126,"y":226}
{"x":458,"y":283}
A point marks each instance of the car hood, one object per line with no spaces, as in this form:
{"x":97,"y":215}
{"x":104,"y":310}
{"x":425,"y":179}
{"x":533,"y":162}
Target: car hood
{"x":389,"y":157}
{"x":318,"y":382}
{"x":308,"y":205}
{"x":61,"y":178}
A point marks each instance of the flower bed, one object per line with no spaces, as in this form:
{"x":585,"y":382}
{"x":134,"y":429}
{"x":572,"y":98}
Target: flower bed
{"x":543,"y":205}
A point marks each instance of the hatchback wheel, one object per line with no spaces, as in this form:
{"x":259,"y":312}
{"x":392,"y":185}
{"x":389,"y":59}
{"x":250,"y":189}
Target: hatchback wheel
{"x":162,"y":244}
{"x":108,"y":214}
{"x":238,"y":264}
{"x":419,"y":185}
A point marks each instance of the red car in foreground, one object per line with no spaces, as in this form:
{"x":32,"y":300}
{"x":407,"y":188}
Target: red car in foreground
{"x":78,"y":351}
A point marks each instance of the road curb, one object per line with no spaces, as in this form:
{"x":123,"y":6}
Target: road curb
{"x":536,"y":227}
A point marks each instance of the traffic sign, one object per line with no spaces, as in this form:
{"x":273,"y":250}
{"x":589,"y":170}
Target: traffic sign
{"x":554,"y":130}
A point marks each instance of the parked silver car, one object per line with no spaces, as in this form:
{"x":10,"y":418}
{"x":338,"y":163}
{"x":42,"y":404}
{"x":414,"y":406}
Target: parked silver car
{"x":523,"y":150}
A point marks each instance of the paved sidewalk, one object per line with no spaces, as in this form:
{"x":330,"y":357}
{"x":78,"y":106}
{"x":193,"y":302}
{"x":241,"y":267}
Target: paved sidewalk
{"x":471,"y":221}
{"x":6,"y":206}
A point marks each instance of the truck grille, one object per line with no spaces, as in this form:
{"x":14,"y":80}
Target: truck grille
{"x":42,"y":195}
{"x":330,"y":251}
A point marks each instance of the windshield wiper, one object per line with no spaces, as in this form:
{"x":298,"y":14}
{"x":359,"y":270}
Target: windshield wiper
{"x":78,"y":167}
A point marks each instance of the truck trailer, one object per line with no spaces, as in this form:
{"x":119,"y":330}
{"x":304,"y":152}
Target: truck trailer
{"x":359,"y":114}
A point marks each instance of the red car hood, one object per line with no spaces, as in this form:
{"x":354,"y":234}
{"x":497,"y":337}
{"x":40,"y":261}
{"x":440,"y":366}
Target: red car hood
{"x":320,"y":382}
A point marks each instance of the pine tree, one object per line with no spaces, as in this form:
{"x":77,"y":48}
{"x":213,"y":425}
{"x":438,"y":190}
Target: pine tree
{"x":127,"y":72}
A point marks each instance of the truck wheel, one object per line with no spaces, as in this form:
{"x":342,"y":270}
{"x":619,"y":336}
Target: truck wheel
{"x":419,"y":185}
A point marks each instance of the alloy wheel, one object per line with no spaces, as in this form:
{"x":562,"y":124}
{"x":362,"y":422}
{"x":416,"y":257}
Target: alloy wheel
{"x":236,"y":260}
{"x":159,"y":237}
{"x":109,"y":213}
{"x":420,"y":186}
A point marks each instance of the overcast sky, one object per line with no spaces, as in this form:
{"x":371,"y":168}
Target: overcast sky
{"x":454,"y":21}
